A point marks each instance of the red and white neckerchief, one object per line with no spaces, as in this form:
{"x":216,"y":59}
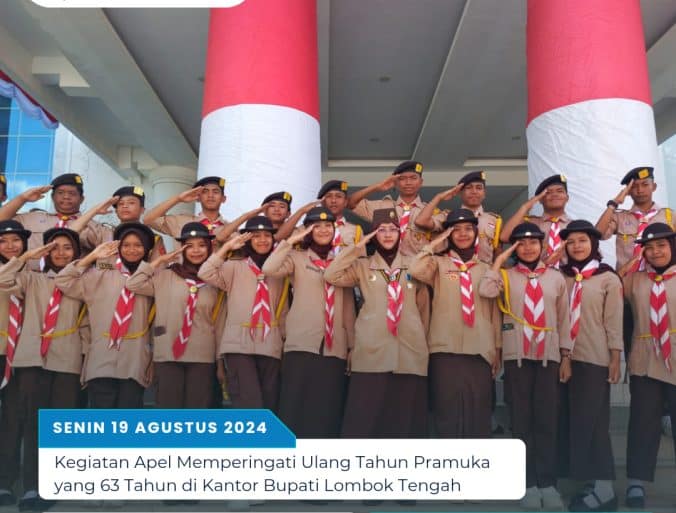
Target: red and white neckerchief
{"x":63,"y":220}
{"x":466,"y":292}
{"x":395,"y":300}
{"x":329,"y":300}
{"x":123,"y":310}
{"x":643,"y":222}
{"x":659,"y":317}
{"x":405,"y":218}
{"x":211,"y":225}
{"x":554,"y":237}
{"x":49,"y":321}
{"x":337,"y":237}
{"x":533,"y":311}
{"x":13,"y":331}
{"x":576,"y":296}
{"x":181,"y":341}
{"x":260,"y":312}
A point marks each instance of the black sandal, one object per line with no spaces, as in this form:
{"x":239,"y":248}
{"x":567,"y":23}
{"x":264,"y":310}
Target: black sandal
{"x":635,"y":501}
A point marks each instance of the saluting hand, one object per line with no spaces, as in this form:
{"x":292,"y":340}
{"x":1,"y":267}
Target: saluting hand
{"x":163,"y":260}
{"x":103,"y":208}
{"x":236,"y":242}
{"x":537,"y":198}
{"x":504,"y":256}
{"x":389,"y":183}
{"x":555,"y":256}
{"x":35,"y":193}
{"x":442,"y":237}
{"x":365,"y":240}
{"x":105,"y":250}
{"x":35,"y":253}
{"x":619,"y":199}
{"x":299,"y":235}
{"x":309,"y":206}
{"x":451,"y":193}
{"x":191,"y":195}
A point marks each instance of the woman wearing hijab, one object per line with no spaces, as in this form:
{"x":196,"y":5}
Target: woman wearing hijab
{"x":117,"y":367}
{"x":536,"y":352}
{"x":596,"y":305}
{"x":651,"y":361}
{"x":184,"y":330}
{"x":319,"y":330}
{"x":251,"y":341}
{"x":387,"y":395}
{"x":464,"y":337}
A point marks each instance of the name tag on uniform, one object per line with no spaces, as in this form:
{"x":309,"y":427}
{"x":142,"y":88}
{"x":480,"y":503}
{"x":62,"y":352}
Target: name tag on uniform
{"x":507,"y":326}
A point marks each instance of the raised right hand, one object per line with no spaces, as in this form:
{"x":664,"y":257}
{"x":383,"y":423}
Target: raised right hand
{"x":237,"y":241}
{"x":36,"y":253}
{"x":167,"y":257}
{"x":365,"y":239}
{"x":35,"y":193}
{"x":299,"y":235}
{"x":387,"y":184}
{"x":443,"y":236}
{"x":502,"y":257}
{"x":191,"y":195}
{"x":451,"y":193}
{"x":105,"y":250}
{"x":619,"y":199}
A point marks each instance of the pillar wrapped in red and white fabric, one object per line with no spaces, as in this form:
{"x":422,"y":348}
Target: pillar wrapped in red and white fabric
{"x":590,"y":113}
{"x":260,"y":115}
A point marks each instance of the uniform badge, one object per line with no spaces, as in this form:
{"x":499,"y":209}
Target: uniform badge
{"x":643,"y":173}
{"x":193,"y":289}
{"x":373,"y":277}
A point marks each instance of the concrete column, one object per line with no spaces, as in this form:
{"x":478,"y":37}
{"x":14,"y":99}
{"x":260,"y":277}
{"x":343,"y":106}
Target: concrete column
{"x":168,"y":181}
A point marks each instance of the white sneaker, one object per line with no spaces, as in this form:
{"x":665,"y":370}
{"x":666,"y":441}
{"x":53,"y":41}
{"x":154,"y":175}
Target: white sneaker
{"x":532,"y":501}
{"x":551,"y":499}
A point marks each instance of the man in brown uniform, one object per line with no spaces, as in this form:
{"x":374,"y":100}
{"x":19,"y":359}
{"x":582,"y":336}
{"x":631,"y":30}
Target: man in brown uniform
{"x":553,"y":194}
{"x":472,"y":191}
{"x":67,"y":195}
{"x":209,"y":191}
{"x":407,"y":178}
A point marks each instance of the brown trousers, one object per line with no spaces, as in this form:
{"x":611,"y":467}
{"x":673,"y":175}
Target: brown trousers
{"x":184,"y":384}
{"x":646,"y":408}
{"x":461,"y":391}
{"x":385,"y":405}
{"x":111,"y":393}
{"x":253,"y":380}
{"x":534,"y":413}
{"x":312,"y":396}
{"x":29,"y":390}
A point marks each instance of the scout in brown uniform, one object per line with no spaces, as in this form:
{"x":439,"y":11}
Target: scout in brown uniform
{"x":652,"y":294}
{"x":67,"y":195}
{"x":251,"y":341}
{"x":276,"y":207}
{"x":595,"y":293}
{"x":536,"y":351}
{"x":464,"y":337}
{"x":318,"y":330}
{"x":552,"y":193}
{"x":13,"y":242}
{"x":117,"y":367}
{"x":209,"y":191}
{"x":407,"y":178}
{"x":48,"y":357}
{"x":387,"y":396}
{"x":472,"y":191}
{"x":184,"y":331}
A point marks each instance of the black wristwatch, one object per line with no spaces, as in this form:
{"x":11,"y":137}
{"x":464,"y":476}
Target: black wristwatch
{"x":612,"y":203}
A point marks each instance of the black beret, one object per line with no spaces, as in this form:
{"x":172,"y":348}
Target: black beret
{"x":194,"y":229}
{"x":551,"y":180}
{"x":146,"y":233}
{"x":526,"y":231}
{"x":332,"y":185}
{"x":474,"y":176}
{"x":12,"y":226}
{"x":279,"y":196}
{"x":131,"y":190}
{"x":580,"y":225}
{"x":638,"y":173}
{"x":655,"y":231}
{"x":408,"y":165}
{"x":258,"y":224}
{"x":318,"y":214}
{"x":384,"y":216}
{"x":461,"y":215}
{"x":211,"y":179}
{"x":68,"y":179}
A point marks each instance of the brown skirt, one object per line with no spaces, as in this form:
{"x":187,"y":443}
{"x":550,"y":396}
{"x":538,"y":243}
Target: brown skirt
{"x":386,"y":405}
{"x":312,"y":394}
{"x":253,"y":380}
{"x":184,"y":384}
{"x":461,"y":390}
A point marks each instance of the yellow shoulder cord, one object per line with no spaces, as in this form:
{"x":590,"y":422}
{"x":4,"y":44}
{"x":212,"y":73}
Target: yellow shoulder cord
{"x":667,"y":215}
{"x":69,"y":331}
{"x":496,"y":234}
{"x":649,"y":335}
{"x":139,"y":334}
{"x":217,"y":306}
{"x":282,"y":299}
{"x":506,"y":308}
{"x":357,"y":234}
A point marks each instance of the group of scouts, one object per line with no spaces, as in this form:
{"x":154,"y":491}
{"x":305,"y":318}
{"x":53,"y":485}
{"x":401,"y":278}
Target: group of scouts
{"x":343,"y":333}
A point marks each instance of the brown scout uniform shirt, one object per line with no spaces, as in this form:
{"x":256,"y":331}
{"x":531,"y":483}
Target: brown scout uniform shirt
{"x":490,"y":225}
{"x":39,"y":222}
{"x":171,"y":224}
{"x":35,"y":288}
{"x":600,"y":318}
{"x":305,"y":321}
{"x":624,"y":225}
{"x":99,"y":287}
{"x":414,"y":238}
{"x":642,"y":360}
{"x":448,"y":332}
{"x":239,"y":282}
{"x":544,"y":224}
{"x":376,"y":349}
{"x":557,"y":315}
{"x":157,"y":251}
{"x":171,"y":297}
{"x":4,"y":321}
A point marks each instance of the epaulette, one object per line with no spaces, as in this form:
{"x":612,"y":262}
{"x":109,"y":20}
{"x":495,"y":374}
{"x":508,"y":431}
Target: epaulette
{"x":497,"y":216}
{"x":107,"y":266}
